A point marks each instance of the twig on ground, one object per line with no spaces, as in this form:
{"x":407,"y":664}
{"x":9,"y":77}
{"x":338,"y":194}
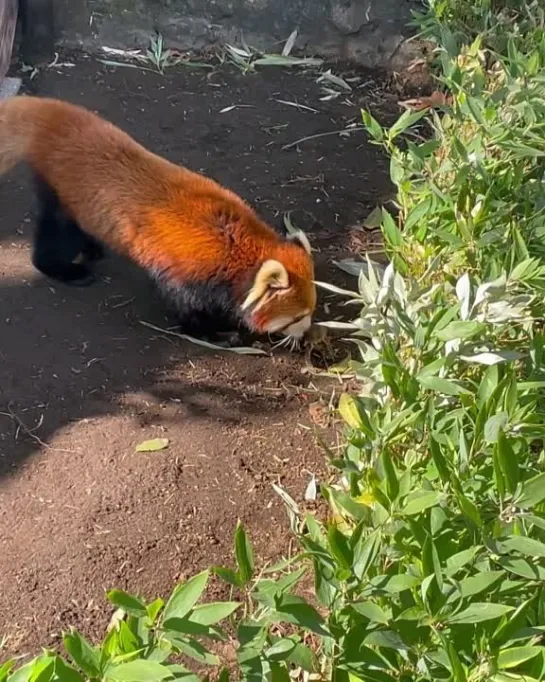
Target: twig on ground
{"x":347,"y":131}
{"x":242,"y":350}
{"x":11,"y":415}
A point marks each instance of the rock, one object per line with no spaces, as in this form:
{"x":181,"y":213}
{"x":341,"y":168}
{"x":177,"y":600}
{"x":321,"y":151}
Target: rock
{"x":368,"y":31}
{"x":9,"y":87}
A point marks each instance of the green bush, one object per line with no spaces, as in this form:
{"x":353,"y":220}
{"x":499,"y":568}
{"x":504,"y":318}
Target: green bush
{"x":431,"y":565}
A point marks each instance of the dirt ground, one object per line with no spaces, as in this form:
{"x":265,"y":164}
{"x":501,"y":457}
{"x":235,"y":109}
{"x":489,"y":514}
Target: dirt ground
{"x":82,"y":382}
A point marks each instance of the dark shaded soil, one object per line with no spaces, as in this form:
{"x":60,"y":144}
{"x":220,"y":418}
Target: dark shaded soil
{"x":82,"y":382}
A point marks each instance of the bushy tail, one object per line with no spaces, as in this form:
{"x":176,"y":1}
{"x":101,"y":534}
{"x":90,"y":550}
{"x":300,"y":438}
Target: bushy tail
{"x":16,"y":131}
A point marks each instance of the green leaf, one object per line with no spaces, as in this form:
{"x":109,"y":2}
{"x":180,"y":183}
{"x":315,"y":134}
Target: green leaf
{"x":23,"y":673}
{"x":430,"y":561}
{"x":339,"y":547}
{"x":508,"y":462}
{"x":524,"y":545}
{"x":296,"y":610}
{"x":43,"y":670}
{"x":482,"y":582}
{"x":413,"y":613}
{"x":280,"y":650}
{"x":523,"y":568}
{"x":417,"y":212}
{"x":213,"y":612}
{"x":5,"y":669}
{"x":460,"y":330}
{"x":512,"y":658}
{"x":431,"y":369}
{"x":127,"y":602}
{"x":129,"y":642}
{"x":244,"y":555}
{"x":65,"y":672}
{"x":400,"y":583}
{"x":494,"y":425}
{"x":396,"y":170}
{"x":479,"y":612}
{"x":420,"y":500}
{"x":365,"y":552}
{"x":303,"y":657}
{"x":511,"y":397}
{"x":388,"y":639}
{"x":138,"y":671}
{"x":154,"y":608}
{"x":152,"y":445}
{"x":509,"y":626}
{"x":390,"y":230}
{"x":488,"y":383}
{"x":442,"y":386}
{"x":227,"y":575}
{"x":457,"y":561}
{"x":180,"y":672}
{"x":347,"y":503}
{"x":392,"y":483}
{"x":111,"y":645}
{"x":439,"y":460}
{"x":185,"y":596}
{"x":371,"y":611}
{"x":372,"y":126}
{"x":279,"y":673}
{"x":469,"y":510}
{"x":85,"y":656}
{"x":475,"y":106}
{"x":407,"y":119}
{"x":354,"y":414}
{"x":532,"y":493}
{"x":194,"y":649}
{"x":498,"y":475}
{"x":374,"y":219}
{"x":458,"y":672}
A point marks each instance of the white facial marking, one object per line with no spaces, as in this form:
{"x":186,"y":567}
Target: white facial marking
{"x":277,"y":324}
{"x":298,"y":329}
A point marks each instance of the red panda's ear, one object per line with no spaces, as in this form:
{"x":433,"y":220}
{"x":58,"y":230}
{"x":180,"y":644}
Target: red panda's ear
{"x":302,"y":238}
{"x":271,"y":275}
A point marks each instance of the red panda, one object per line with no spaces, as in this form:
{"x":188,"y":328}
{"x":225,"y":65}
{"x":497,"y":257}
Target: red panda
{"x":206,"y":249}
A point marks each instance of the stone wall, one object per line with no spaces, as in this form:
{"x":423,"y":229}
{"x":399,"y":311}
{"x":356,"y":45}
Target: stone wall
{"x":370,"y":31}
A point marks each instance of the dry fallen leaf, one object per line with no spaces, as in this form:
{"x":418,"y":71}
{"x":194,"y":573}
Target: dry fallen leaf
{"x":318,"y":413}
{"x":435,"y":100}
{"x":311,"y":491}
{"x":152,"y":445}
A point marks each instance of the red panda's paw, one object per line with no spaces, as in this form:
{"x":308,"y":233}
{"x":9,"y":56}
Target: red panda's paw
{"x":229,"y":339}
{"x":78,"y":275}
{"x":85,"y":279}
{"x":71,"y":274}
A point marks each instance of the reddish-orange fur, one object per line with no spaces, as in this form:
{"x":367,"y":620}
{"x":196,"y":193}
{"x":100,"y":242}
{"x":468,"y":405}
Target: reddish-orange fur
{"x":166,"y":218}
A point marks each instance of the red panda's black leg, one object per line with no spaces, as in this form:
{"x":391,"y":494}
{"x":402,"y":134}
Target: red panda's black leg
{"x":58,"y":241}
{"x":92,"y":250}
{"x":50,"y":256}
{"x":204,"y":309}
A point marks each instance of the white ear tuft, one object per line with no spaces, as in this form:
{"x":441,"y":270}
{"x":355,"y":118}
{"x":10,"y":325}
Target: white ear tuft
{"x":302,"y":238}
{"x":271,"y":275}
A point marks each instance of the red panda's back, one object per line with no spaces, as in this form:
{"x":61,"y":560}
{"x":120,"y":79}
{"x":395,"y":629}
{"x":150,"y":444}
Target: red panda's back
{"x":101,"y":175}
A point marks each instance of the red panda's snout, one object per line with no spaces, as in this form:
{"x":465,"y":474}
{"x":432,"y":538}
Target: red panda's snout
{"x":298,"y":327}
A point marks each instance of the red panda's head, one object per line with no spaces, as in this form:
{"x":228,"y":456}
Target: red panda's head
{"x":282,"y":297}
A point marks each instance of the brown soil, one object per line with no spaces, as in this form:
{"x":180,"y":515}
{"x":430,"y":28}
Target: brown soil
{"x":82,"y":382}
